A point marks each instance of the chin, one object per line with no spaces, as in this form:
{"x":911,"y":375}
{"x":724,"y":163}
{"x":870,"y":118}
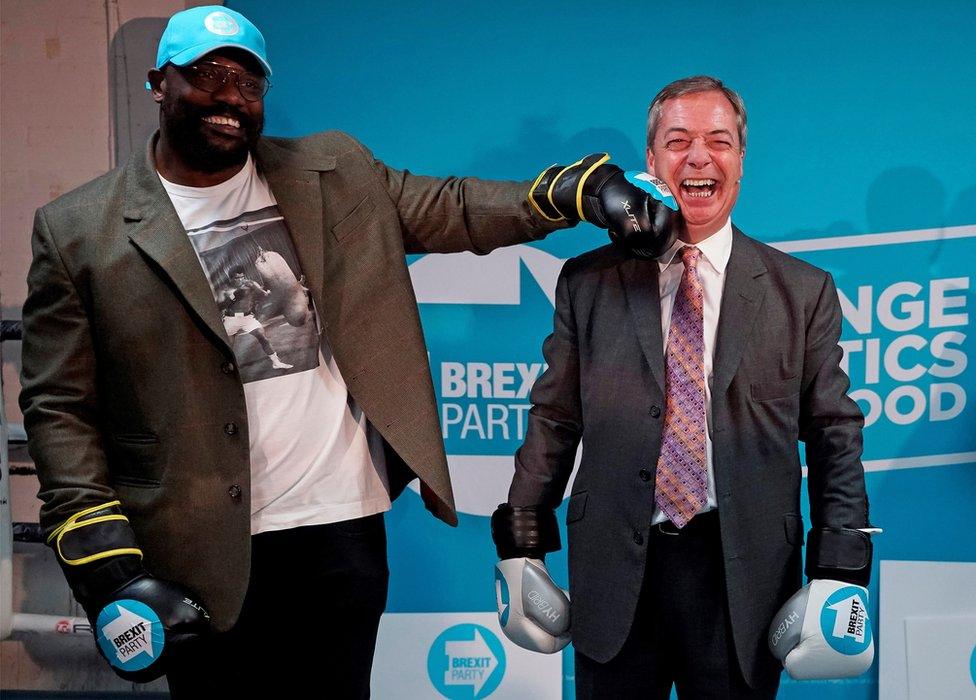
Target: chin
{"x":209,"y":156}
{"x":699,"y":220}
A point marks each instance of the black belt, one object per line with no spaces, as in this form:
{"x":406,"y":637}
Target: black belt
{"x":702,"y":521}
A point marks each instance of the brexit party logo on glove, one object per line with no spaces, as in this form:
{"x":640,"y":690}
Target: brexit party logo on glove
{"x":844,"y":621}
{"x":823,"y":631}
{"x":130,"y":635}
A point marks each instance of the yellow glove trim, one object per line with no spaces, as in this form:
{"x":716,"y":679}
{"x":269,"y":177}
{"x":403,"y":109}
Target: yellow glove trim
{"x":80,"y":514}
{"x":72,"y":524}
{"x":582,"y":181}
{"x":556,"y":179}
{"x":535,"y":206}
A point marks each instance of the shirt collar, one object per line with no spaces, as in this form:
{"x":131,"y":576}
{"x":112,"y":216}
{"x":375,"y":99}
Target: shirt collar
{"x":716,"y":249}
{"x":232,"y":183}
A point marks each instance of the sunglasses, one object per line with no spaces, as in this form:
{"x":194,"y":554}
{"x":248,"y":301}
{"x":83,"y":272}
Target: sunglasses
{"x":211,"y":77}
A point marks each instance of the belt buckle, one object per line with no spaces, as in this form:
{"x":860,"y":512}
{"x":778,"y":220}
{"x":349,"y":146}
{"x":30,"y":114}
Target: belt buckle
{"x":666,"y":527}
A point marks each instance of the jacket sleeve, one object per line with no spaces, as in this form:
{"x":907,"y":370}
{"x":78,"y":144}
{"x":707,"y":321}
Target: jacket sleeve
{"x":831,"y":422}
{"x":58,"y":396}
{"x":555,"y":425}
{"x":455,"y":214}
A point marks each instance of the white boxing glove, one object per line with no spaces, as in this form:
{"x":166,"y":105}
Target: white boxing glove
{"x":532,"y":610}
{"x":823,"y":631}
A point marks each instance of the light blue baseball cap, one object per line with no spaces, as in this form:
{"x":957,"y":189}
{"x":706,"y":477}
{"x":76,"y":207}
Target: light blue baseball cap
{"x":192,"y":33}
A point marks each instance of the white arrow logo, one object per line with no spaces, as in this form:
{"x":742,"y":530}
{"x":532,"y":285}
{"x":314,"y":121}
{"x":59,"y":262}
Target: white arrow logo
{"x":481,"y":481}
{"x":466,"y":278}
{"x":130,"y":635}
{"x":469,"y":663}
{"x":850,"y":618}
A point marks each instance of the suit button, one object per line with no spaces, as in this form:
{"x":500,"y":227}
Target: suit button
{"x":227,"y":368}
{"x":655,"y":411}
{"x":644,"y":475}
{"x":234,"y":492}
{"x":230,"y":428}
{"x":638,"y":538}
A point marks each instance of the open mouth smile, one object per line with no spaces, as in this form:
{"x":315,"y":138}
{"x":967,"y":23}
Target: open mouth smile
{"x":224,"y":125}
{"x":698,"y":188}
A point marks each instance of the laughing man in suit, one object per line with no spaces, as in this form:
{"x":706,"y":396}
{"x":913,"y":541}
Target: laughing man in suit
{"x":689,"y":379}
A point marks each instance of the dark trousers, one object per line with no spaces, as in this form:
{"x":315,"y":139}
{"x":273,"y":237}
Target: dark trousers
{"x":309,"y":621}
{"x":681,"y":633}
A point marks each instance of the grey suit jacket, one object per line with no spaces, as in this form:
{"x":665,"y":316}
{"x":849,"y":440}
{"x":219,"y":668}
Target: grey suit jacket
{"x":130,"y":389}
{"x":776,"y":380}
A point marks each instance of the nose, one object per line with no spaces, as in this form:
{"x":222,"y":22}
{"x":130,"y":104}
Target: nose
{"x":228,"y":93}
{"x":698,"y":155}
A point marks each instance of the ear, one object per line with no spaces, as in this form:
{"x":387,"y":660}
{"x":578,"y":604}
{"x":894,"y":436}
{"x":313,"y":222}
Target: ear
{"x":650,"y":162}
{"x":156,"y":80}
{"x":742,"y":164}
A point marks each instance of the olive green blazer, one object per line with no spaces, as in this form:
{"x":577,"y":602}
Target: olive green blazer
{"x":130,"y":389}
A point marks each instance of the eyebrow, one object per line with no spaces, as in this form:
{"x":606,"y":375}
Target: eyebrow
{"x":713,"y":132}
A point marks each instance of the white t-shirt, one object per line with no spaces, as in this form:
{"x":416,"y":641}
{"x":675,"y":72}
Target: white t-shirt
{"x":315,"y":458}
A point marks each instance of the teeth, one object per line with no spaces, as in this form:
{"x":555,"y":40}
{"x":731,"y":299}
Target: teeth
{"x":698,"y":183}
{"x":227,"y":121}
{"x":700,"y":195}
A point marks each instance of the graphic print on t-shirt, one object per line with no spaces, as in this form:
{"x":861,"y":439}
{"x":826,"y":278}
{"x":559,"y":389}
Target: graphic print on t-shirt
{"x":257,"y":283}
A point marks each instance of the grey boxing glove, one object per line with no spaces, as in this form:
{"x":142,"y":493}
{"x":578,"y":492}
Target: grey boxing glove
{"x":532,"y":610}
{"x":823,"y":631}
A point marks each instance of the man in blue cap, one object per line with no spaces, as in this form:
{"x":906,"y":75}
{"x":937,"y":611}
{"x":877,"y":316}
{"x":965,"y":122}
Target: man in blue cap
{"x":215,"y":462}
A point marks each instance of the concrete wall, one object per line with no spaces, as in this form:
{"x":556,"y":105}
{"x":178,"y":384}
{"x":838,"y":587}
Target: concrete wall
{"x":68,"y":107}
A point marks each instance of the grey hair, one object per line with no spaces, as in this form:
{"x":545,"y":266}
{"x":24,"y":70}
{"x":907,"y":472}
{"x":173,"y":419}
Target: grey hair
{"x":687,"y":86}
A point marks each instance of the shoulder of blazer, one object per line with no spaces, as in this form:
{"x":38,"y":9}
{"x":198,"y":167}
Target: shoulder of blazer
{"x":87,"y":200}
{"x":320,"y":151}
{"x":595,"y":261}
{"x":792,"y":270}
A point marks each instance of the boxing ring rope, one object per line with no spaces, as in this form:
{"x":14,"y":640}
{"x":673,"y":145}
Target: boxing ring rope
{"x":10,"y":622}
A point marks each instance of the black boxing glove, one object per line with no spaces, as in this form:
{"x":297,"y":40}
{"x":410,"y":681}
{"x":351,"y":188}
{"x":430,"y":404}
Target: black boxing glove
{"x":637,"y":210}
{"x":140,"y":622}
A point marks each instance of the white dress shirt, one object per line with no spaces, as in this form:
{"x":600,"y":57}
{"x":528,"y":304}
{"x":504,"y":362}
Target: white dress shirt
{"x":711,"y":271}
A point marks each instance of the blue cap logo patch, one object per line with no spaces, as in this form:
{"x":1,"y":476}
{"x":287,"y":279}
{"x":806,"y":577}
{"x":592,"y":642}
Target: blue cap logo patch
{"x":130,"y":634}
{"x":466,"y":662}
{"x":844,"y":621}
{"x":221,"y":23}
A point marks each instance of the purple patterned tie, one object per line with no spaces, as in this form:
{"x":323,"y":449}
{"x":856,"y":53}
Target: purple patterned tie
{"x":681,"y":484}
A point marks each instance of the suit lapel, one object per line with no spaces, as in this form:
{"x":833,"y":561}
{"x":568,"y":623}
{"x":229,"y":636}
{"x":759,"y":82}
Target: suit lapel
{"x":295,"y":183}
{"x":154,"y":228}
{"x":745,"y":287}
{"x":640,"y":281}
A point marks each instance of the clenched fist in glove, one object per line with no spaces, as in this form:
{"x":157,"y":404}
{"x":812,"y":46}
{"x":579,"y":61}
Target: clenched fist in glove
{"x":532,"y":610}
{"x":638,"y":210}
{"x":140,"y":622}
{"x":823,"y":631}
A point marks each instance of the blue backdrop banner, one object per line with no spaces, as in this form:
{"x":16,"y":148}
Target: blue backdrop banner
{"x":860,"y":160}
